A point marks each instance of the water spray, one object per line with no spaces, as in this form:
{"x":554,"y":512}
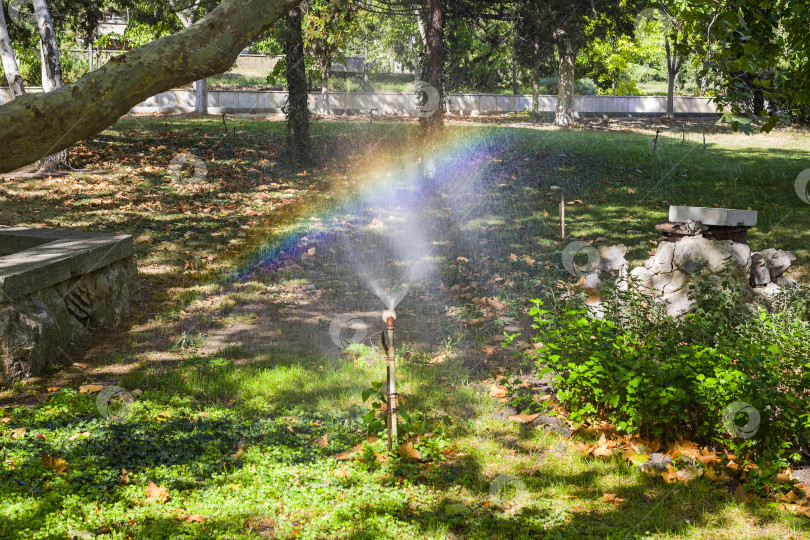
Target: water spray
{"x":388,"y":317}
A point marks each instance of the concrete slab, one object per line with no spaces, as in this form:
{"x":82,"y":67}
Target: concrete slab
{"x":33,"y":259}
{"x":724,"y":217}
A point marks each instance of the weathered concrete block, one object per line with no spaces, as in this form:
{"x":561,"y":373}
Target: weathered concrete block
{"x":53,"y":284}
{"x":727,"y":217}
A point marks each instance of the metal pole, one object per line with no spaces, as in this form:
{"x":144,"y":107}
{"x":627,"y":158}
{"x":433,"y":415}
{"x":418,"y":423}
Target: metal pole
{"x":389,"y":317}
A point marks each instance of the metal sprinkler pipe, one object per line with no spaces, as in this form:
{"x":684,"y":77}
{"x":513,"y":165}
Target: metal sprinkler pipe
{"x":389,"y":316}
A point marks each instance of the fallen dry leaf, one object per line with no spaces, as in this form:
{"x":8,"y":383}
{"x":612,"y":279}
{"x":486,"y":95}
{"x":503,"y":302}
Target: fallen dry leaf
{"x":789,"y":497}
{"x":529,"y":471}
{"x":715,"y":476}
{"x":497,"y":391}
{"x":684,"y":448}
{"x":54,"y":388}
{"x":670,"y":475}
{"x":239,"y":451}
{"x":524,"y":418}
{"x":90,"y":388}
{"x":438,"y":359}
{"x":18,"y":433}
{"x":407,"y":451}
{"x":83,"y":434}
{"x":342,"y":473}
{"x":56,"y":463}
{"x":156,"y":493}
{"x":741,"y":495}
{"x":644,"y":446}
{"x":344,"y":456}
{"x":196,"y":518}
{"x":489,"y":351}
{"x":612,"y":497}
{"x":320,"y":442}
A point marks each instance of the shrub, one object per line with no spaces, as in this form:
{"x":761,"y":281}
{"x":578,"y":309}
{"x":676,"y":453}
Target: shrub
{"x":626,"y":87}
{"x":648,"y":373}
{"x":583,"y":87}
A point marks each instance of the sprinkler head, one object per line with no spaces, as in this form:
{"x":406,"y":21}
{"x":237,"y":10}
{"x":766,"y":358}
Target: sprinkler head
{"x":389,"y":314}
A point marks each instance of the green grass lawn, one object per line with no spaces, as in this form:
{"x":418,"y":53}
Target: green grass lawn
{"x":240,"y":419}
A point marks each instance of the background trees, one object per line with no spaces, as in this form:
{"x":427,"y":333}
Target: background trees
{"x":751,"y":55}
{"x":9,"y":59}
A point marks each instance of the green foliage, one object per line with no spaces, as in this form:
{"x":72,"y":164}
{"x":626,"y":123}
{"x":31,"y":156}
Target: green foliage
{"x":671,"y":379}
{"x":758,"y":51}
{"x":583,"y":87}
{"x":478,"y":57}
{"x":626,"y":87}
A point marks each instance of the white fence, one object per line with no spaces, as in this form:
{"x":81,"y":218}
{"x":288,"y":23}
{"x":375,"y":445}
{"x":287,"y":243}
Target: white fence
{"x":272,"y":102}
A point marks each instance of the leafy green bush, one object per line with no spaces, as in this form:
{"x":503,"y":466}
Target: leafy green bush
{"x":682,"y":379}
{"x":626,"y":87}
{"x":583,"y":87}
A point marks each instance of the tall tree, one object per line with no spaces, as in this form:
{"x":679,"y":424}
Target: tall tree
{"x":298,"y":142}
{"x":328,"y":26}
{"x":36,"y":125}
{"x":568,"y":25}
{"x":15,"y":82}
{"x":758,"y":51}
{"x":51,"y":76}
{"x":188,"y":15}
{"x":675,"y":45}
{"x":434,"y":66}
{"x":532,"y":44}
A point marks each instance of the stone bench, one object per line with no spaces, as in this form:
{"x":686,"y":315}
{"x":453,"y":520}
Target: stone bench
{"x":54,"y":284}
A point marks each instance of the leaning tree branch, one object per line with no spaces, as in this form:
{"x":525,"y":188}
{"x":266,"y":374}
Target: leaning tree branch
{"x":37,"y":125}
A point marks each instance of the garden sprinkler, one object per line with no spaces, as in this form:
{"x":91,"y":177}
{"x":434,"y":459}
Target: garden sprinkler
{"x":388,"y":317}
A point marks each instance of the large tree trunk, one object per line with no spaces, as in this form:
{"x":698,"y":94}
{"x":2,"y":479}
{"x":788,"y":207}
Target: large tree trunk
{"x":15,"y":82}
{"x":536,"y":89}
{"x":298,"y":114}
{"x":434,"y":66}
{"x":35,"y":125}
{"x":326,"y":71}
{"x":51,"y":77}
{"x":564,"y":114}
{"x":674,"y":63}
{"x":187,"y":18}
{"x":201,"y":96}
{"x":671,"y":96}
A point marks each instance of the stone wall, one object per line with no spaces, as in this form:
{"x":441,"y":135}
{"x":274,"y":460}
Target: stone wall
{"x":676,"y":266}
{"x":35,"y":329}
